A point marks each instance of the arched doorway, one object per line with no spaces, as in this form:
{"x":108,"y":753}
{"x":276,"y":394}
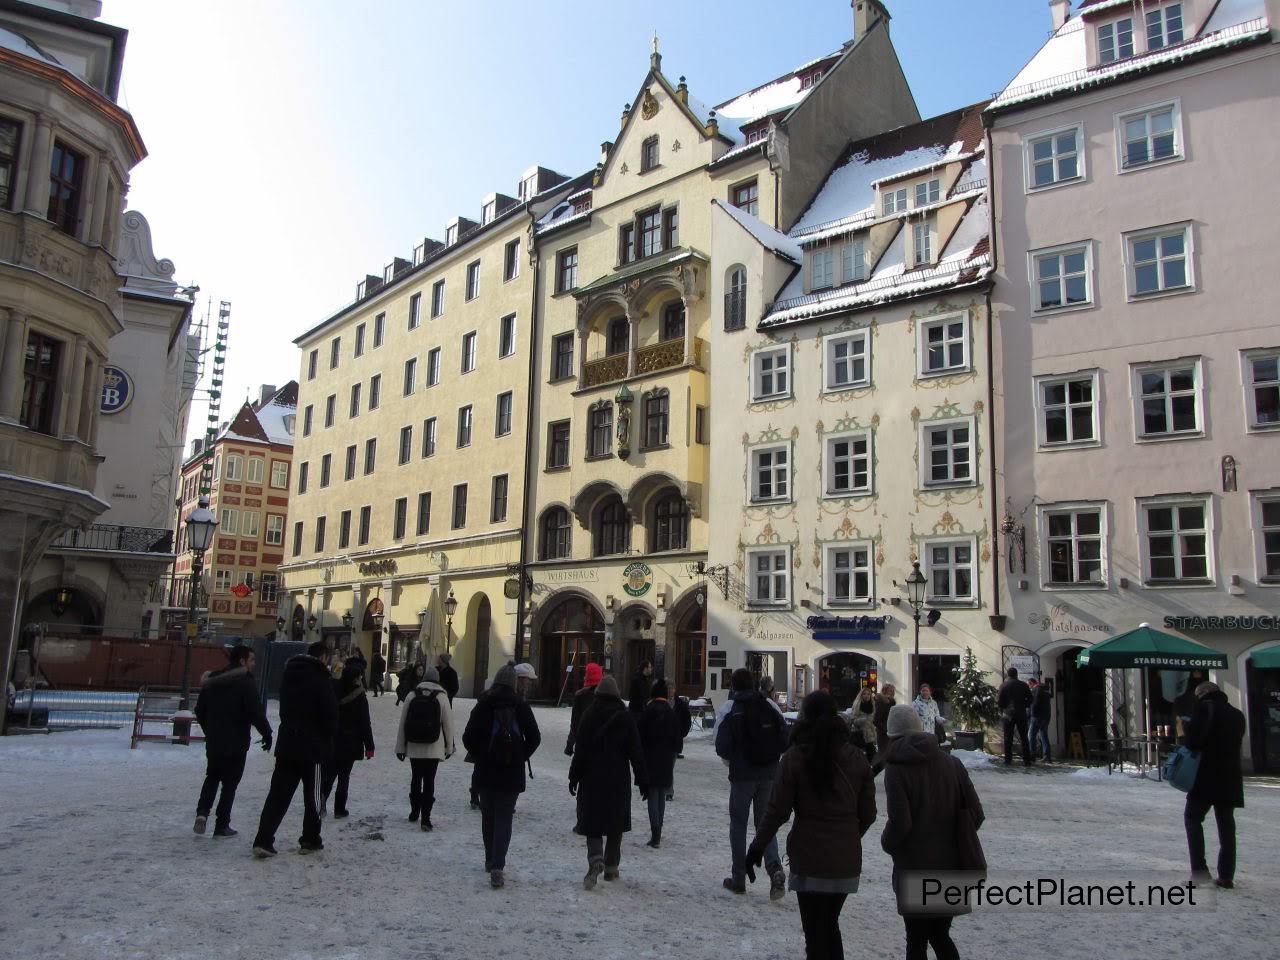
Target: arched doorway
{"x":65,"y":610}
{"x":687,"y":649}
{"x":484,"y":618}
{"x":1261,"y":667}
{"x":633,"y":640}
{"x":297,"y":623}
{"x":843,"y":675}
{"x":1081,"y":698}
{"x":571,"y":636}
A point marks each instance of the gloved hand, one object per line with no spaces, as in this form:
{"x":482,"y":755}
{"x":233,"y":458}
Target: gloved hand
{"x":755,"y":857}
{"x":644,"y":791}
{"x":400,"y":757}
{"x":266,"y":742}
{"x":573,"y":789}
{"x":568,"y":750}
{"x":368,"y":754}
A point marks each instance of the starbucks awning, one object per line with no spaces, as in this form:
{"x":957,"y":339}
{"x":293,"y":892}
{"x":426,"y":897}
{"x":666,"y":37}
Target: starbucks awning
{"x":1268,"y":659}
{"x":1146,"y":647}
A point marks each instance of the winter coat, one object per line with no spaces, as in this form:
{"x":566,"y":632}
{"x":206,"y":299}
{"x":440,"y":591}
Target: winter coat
{"x":489,"y":775}
{"x":730,"y":745}
{"x":1014,"y":699}
{"x":1216,"y":729}
{"x":924,"y":788}
{"x":928,"y":711}
{"x":1041,"y":704}
{"x":227,"y":707}
{"x":449,"y":681}
{"x":445,"y":744}
{"x":881,"y":718}
{"x":308,"y":712}
{"x":582,"y":701}
{"x":660,"y":738}
{"x":640,"y":691}
{"x":608,"y":752}
{"x":406,"y":679}
{"x":826,"y":838}
{"x":377,"y":669}
{"x":355,"y":734}
{"x":684,"y":717}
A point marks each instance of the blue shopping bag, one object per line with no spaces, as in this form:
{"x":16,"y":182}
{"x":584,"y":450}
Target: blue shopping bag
{"x":1180,"y":768}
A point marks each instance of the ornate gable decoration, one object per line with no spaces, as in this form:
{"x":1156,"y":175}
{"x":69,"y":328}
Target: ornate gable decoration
{"x":649,"y":105}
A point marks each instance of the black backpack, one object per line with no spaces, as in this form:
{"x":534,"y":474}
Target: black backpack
{"x":762,"y":730}
{"x":422,"y":724}
{"x":506,"y":742}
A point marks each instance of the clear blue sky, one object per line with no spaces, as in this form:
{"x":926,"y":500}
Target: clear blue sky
{"x":295,"y":146}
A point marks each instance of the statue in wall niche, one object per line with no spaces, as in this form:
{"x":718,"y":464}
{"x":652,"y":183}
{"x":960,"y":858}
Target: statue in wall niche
{"x":1228,"y":474}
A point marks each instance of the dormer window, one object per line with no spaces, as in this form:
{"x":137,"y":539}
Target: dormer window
{"x":757,"y":134}
{"x":1115,"y":40}
{"x":821,"y":269}
{"x":388,"y":272}
{"x":922,"y":243}
{"x":895,"y":201}
{"x":489,"y":211}
{"x":928,"y":192}
{"x":810,"y":79}
{"x":529,"y":187}
{"x":582,"y":204}
{"x":451,"y":234}
{"x":649,"y":154}
{"x":1164,"y":26}
{"x":853,"y":261}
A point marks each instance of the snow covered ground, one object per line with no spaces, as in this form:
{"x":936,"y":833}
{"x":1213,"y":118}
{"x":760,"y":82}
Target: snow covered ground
{"x":97,"y":860}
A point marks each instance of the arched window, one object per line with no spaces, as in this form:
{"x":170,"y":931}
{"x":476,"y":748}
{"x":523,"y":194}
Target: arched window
{"x":670,"y":523}
{"x":735,"y":299}
{"x":618,"y":337}
{"x":612,"y":529}
{"x":557,"y":534}
{"x":673,"y":321}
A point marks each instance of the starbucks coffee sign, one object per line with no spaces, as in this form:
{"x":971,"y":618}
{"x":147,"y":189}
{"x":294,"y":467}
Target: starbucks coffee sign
{"x":637,"y":578}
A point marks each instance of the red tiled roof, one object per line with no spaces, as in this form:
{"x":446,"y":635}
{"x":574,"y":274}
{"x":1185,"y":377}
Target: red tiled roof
{"x":963,"y":125}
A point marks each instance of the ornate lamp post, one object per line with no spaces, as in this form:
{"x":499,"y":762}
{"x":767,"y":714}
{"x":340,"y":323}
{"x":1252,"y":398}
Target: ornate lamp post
{"x":201,"y":524}
{"x":346,"y":625}
{"x":915,"y":597}
{"x":450,"y":607}
{"x":279,"y":627}
{"x":311,"y":623}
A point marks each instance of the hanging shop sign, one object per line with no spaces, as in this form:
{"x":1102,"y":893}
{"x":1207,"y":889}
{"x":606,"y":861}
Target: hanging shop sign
{"x":637,"y":578}
{"x":377,"y":568}
{"x":1264,"y":622}
{"x":117,"y":390}
{"x":846,"y":628}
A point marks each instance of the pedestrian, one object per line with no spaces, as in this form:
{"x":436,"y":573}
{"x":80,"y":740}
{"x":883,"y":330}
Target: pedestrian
{"x":826,"y":781}
{"x":862,"y":723}
{"x":425,"y":737}
{"x":661,"y":733}
{"x":1215,"y":730}
{"x":227,"y":708}
{"x":684,"y":717}
{"x":926,"y":708}
{"x":607,"y":756}
{"x":582,"y":700}
{"x":448,"y":676}
{"x":933,"y":815}
{"x":377,"y":671}
{"x":1014,"y":701}
{"x":308,"y":723}
{"x":525,"y":677}
{"x":641,"y":684}
{"x":407,"y":679}
{"x":354,"y":740}
{"x":501,"y":735}
{"x":751,"y":738}
{"x":1041,"y":713}
{"x":885,"y":699}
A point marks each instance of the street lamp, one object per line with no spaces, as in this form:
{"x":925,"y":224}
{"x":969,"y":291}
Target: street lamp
{"x":915,"y":597}
{"x":346,"y":625}
{"x":450,"y":607}
{"x":311,"y":623}
{"x":279,"y":627}
{"x":201,"y":524}
{"x":62,"y":600}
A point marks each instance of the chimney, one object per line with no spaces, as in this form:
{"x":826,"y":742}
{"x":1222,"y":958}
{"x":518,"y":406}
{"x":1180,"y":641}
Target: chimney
{"x":1061,"y":13}
{"x":682,"y":92}
{"x":266,"y":392}
{"x":865,"y":15}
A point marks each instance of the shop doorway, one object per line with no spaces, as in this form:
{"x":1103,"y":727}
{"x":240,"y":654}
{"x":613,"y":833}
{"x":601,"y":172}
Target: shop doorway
{"x":571,"y":636}
{"x":937,"y":670}
{"x":687,"y":649}
{"x":843,"y":675}
{"x":1264,"y":715}
{"x":480,"y":671}
{"x":633,"y":640}
{"x":1082,"y":700}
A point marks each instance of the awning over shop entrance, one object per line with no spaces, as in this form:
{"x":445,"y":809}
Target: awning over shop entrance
{"x":1268,"y":659}
{"x":1145,"y":647}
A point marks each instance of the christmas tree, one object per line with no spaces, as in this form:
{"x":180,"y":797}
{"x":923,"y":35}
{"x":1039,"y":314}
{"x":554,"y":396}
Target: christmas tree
{"x":973,"y":700}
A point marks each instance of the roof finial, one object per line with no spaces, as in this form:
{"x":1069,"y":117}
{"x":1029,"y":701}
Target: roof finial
{"x":655,"y":58}
{"x":655,"y":41}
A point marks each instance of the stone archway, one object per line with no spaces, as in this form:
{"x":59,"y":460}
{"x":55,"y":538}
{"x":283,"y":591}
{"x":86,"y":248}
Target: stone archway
{"x":844,"y":674}
{"x":685,"y":662}
{"x":484,"y":622}
{"x":571,"y":633}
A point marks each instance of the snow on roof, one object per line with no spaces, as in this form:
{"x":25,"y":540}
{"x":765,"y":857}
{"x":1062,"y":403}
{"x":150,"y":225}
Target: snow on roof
{"x":785,"y":93}
{"x":1061,"y":65}
{"x":954,"y":153}
{"x":1097,"y":6}
{"x":769,"y":238}
{"x":273,"y":417}
{"x":559,"y":215}
{"x":20,"y":44}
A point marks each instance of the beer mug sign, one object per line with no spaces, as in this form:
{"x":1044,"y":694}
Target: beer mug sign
{"x":117,"y":390}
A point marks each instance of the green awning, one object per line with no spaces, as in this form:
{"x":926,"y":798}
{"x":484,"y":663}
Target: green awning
{"x":1145,"y":647}
{"x":1268,"y":659}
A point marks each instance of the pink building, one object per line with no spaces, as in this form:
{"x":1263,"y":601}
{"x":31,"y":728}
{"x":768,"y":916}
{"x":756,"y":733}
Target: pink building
{"x":1138,"y":413}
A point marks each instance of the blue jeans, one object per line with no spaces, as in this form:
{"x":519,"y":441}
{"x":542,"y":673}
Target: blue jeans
{"x":1038,"y":733}
{"x":748,"y":797}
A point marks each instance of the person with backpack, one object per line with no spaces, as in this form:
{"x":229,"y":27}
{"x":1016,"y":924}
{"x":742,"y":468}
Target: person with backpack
{"x":425,"y":737}
{"x":826,"y":781}
{"x":354,"y":740}
{"x":377,"y":672}
{"x":448,"y":676}
{"x":1041,"y":713}
{"x":501,"y":735}
{"x":1215,"y":731}
{"x":607,"y":755}
{"x":661,"y":734}
{"x":1014,"y":699}
{"x":750,"y":739}
{"x":592,"y":676}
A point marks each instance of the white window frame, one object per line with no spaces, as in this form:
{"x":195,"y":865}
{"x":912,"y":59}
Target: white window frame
{"x":222,"y":579}
{"x":778,"y":576}
{"x":853,"y":261}
{"x":229,"y":520}
{"x":757,"y":374}
{"x":274,"y":534}
{"x":1247,"y":357}
{"x":1062,"y":250}
{"x":503,"y":332}
{"x":1162,"y":12}
{"x":469,"y":343}
{"x":1135,"y":386}
{"x":822,"y":270}
{"x":1114,"y":25}
{"x":932,"y":189}
{"x":926,"y":564}
{"x":1120,"y":120}
{"x":1029,"y":162}
{"x":893,"y":201}
{"x":830,"y":571}
{"x":256,"y":475}
{"x":922,"y":252}
{"x":1257,"y":499}
{"x":1043,"y":512}
{"x":1157,"y":233}
{"x":1203,"y":500}
{"x":923,"y":326}
{"x":279,"y":475}
{"x":830,"y":492}
{"x":1042,"y":426}
{"x":433,"y":366}
{"x":471,"y":282}
{"x":784,"y":472}
{"x":410,"y":385}
{"x":829,"y":344}
{"x":926,"y":429}
{"x":251,"y":524}
{"x":235,"y":467}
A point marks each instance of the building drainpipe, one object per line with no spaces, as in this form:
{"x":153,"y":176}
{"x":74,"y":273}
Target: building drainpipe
{"x":991,"y":373}
{"x":521,"y":650}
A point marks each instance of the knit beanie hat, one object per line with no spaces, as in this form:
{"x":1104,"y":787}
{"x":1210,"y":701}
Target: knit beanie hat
{"x":608,"y":687}
{"x":506,"y":677}
{"x":432,"y":675}
{"x":903,"y":719}
{"x":659,"y":690}
{"x":594,"y":673}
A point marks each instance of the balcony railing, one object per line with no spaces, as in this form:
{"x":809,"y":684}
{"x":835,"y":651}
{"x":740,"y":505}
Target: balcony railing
{"x":652,"y":358}
{"x":118,"y":539}
{"x":605,"y":370}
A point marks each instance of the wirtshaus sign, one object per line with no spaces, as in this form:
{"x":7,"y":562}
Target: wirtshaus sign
{"x":1264,"y":622}
{"x":846,"y":628}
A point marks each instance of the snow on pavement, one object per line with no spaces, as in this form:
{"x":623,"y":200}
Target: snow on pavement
{"x":97,"y":860}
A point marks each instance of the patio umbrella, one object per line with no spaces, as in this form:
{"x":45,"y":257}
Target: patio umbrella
{"x":1147,"y":647}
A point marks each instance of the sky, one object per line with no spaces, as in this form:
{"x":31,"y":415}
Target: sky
{"x":296,"y":146}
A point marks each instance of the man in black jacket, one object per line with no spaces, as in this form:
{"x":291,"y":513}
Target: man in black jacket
{"x":308,"y":722}
{"x":1216,"y":730}
{"x":227,"y":707}
{"x":641,"y":684}
{"x":448,"y":676}
{"x":1041,"y":714}
{"x":1014,"y":700}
